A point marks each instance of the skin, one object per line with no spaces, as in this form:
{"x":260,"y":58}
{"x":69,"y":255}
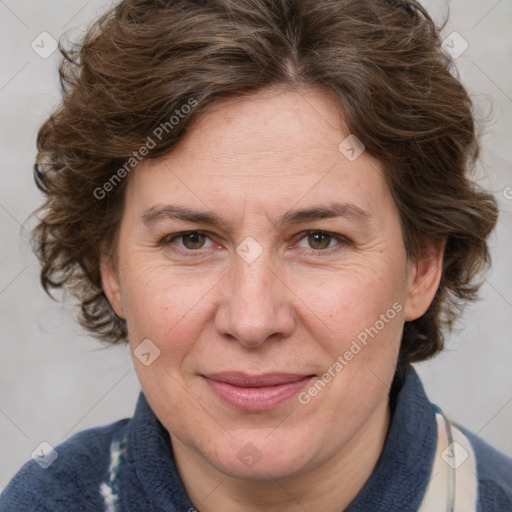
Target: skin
{"x":295,"y":308}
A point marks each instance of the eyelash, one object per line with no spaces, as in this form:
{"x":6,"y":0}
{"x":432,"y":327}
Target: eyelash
{"x":197,"y":253}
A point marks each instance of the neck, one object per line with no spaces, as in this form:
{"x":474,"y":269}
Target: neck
{"x":331,"y":486}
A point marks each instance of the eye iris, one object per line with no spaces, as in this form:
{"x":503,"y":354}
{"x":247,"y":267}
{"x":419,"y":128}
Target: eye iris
{"x":319,"y":238}
{"x":196,"y":240}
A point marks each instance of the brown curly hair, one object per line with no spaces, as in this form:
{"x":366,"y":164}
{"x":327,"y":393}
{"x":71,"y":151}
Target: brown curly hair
{"x":144,"y":59}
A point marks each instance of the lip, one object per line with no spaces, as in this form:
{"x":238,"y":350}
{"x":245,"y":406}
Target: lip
{"x":255,"y":392}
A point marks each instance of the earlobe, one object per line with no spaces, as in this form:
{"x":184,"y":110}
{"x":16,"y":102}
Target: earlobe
{"x":424,"y":278}
{"x":110,"y":284}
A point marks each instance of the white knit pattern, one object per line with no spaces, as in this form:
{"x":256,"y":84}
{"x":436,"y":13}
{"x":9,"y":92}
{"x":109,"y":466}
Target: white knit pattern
{"x":108,"y":488}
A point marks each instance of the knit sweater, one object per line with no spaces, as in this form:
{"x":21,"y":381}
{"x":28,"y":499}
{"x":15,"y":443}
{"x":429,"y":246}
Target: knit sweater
{"x":128,"y":466}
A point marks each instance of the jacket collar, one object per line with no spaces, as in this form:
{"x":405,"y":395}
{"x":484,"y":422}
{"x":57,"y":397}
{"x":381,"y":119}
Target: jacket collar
{"x":402,"y":473}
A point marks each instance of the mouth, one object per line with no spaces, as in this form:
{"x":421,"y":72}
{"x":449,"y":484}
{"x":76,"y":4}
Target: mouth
{"x":255,"y":392}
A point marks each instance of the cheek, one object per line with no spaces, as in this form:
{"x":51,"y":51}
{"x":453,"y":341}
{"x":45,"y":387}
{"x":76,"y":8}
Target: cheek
{"x":352,"y":300}
{"x":167,"y":307}
{"x":171,"y":310}
{"x":358,"y":323}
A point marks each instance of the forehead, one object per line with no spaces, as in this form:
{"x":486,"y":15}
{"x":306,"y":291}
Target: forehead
{"x":269,"y":150}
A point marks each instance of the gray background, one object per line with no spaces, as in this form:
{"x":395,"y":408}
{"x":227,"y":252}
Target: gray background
{"x":55,"y":380}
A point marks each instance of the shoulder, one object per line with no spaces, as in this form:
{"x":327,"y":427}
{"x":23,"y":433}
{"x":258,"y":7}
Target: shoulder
{"x":494,"y":471}
{"x":72,"y":476}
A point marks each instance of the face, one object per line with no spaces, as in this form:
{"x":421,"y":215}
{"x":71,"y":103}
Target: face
{"x":267,"y":269}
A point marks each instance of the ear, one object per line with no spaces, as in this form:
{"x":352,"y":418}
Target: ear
{"x":423,"y":279}
{"x":110,"y":283}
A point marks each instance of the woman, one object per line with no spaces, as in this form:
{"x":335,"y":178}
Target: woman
{"x":270,"y":202}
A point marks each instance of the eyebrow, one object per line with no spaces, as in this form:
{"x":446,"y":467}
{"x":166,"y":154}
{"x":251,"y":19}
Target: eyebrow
{"x":171,"y":212}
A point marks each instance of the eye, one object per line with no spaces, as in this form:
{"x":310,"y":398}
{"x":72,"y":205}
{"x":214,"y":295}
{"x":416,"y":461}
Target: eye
{"x":190,"y":241}
{"x":321,"y":240}
{"x":193,"y":240}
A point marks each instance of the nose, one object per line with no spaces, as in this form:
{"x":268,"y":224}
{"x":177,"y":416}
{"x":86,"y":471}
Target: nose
{"x":256,"y":304}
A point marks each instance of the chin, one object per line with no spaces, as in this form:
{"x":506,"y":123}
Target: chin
{"x":254,"y":456}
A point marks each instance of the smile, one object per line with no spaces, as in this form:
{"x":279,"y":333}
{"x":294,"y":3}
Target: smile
{"x":256,"y":392}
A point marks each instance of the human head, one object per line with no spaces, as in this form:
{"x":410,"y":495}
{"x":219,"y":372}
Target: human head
{"x":395,"y":91}
{"x":148,"y":80}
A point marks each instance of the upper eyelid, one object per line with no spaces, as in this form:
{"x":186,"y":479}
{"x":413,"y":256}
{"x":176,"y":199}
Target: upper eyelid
{"x":177,"y":236}
{"x":306,"y":232}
